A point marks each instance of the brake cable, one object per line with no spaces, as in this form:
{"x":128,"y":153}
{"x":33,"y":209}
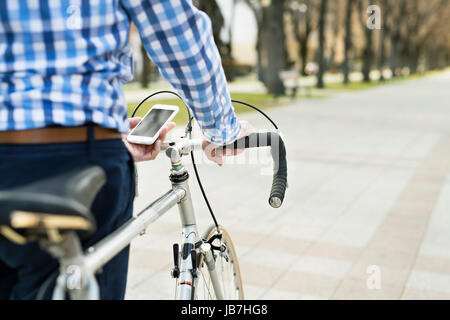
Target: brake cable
{"x":189,"y":133}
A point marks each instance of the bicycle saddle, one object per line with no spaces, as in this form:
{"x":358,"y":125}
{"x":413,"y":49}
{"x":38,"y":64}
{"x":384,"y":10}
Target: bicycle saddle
{"x":59,"y":203}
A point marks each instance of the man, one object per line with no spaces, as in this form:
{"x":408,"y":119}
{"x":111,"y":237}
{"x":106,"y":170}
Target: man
{"x":62,"y":65}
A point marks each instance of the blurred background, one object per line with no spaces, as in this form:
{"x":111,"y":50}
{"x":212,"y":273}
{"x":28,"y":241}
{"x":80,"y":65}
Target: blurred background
{"x":324,"y":43}
{"x":360,"y":90}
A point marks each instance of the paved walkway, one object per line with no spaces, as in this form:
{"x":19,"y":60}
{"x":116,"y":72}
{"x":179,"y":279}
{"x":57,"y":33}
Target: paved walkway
{"x":366,"y":216}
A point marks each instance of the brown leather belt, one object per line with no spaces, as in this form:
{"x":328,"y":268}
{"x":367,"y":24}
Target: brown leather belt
{"x":56,"y":135}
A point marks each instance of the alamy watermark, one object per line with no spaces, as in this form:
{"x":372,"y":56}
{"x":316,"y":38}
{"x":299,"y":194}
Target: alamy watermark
{"x":373,"y":282}
{"x":73,"y":21}
{"x":73,"y":277}
{"x":374,"y":22}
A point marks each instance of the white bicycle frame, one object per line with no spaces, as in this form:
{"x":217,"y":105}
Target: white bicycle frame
{"x":77,"y":268}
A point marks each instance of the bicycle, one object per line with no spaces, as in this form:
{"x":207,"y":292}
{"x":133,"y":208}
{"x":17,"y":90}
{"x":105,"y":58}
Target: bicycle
{"x":55,"y":212}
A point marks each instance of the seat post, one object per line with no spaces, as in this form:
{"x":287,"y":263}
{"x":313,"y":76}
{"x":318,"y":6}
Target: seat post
{"x":73,"y":277}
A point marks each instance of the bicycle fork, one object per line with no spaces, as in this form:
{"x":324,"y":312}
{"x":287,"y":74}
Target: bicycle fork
{"x":208,"y":255}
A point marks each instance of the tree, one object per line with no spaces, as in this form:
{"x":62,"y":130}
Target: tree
{"x":436,"y":40}
{"x":273,"y":47}
{"x":336,"y":13}
{"x":255,"y":6}
{"x":385,"y":9}
{"x":396,"y":19}
{"x":304,"y":21}
{"x":415,"y":28}
{"x":421,"y":23}
{"x":368,"y":34}
{"x":146,"y":68}
{"x":348,"y":39}
{"x":321,"y":53}
{"x":270,"y":43}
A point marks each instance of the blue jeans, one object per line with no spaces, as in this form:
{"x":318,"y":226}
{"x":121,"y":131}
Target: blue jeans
{"x":23,"y":269}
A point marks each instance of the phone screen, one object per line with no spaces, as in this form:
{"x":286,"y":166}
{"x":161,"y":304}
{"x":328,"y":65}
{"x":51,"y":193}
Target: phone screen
{"x":152,"y":122}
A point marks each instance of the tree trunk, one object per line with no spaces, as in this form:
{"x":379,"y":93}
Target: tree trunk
{"x":257,"y":12}
{"x":260,"y":68}
{"x":302,"y":39}
{"x":336,"y":27}
{"x":382,"y":48}
{"x":367,"y":55}
{"x":348,"y":40}
{"x":394,"y":55}
{"x":304,"y":53}
{"x":321,"y":59}
{"x":381,"y":55}
{"x":146,"y":69}
{"x":273,"y":48}
{"x":414,"y":60}
{"x":403,"y":59}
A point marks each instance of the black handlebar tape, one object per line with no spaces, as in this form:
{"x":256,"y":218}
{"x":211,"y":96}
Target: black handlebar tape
{"x":278,"y":151}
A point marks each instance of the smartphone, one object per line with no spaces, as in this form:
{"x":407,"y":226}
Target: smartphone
{"x":148,"y":129}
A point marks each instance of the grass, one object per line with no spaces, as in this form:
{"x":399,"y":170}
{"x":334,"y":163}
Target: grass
{"x":262,"y":101}
{"x":361,"y":85}
{"x":355,"y":85}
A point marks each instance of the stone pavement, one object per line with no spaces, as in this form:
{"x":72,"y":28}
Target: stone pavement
{"x":366,"y":215}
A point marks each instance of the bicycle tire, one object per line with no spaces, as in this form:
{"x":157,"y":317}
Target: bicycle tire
{"x":232,"y":289}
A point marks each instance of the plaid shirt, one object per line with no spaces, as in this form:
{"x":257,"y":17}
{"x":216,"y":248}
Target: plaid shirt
{"x":63,"y":62}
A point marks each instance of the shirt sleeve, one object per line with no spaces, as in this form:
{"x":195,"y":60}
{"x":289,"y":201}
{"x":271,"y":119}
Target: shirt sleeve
{"x":178,"y":38}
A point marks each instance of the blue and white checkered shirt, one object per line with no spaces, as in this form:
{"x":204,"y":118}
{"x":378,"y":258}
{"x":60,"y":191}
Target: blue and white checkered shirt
{"x":63,"y":62}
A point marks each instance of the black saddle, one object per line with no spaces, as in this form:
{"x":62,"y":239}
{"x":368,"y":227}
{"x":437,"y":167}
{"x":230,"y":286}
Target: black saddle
{"x":60,"y":203}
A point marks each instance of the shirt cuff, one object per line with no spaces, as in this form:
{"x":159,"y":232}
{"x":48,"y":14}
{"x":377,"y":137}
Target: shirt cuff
{"x":225,"y":137}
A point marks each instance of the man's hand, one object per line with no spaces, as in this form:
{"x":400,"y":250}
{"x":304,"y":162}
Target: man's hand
{"x":214,"y":155}
{"x":141,"y":152}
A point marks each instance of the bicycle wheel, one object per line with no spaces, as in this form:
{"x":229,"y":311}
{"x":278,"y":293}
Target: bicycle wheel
{"x":227,"y":267}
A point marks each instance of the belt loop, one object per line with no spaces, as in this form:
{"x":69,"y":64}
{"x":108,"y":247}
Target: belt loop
{"x":91,"y":141}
